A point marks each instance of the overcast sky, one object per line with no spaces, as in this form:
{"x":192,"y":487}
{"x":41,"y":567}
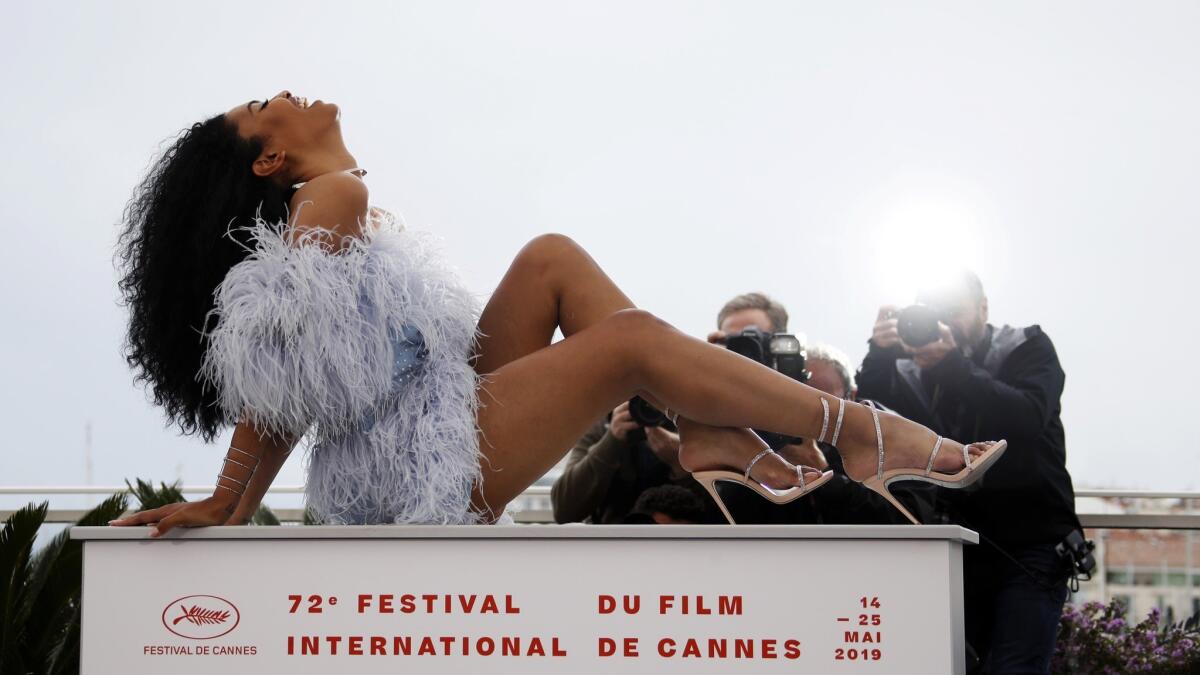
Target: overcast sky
{"x":825,"y":153}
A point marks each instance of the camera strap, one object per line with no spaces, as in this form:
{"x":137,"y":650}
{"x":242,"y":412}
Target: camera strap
{"x":1038,"y":578}
{"x":1075,"y":576}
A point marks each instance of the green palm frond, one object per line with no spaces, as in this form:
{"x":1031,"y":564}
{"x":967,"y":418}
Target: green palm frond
{"x":16,"y":544}
{"x":107,"y":510}
{"x":40,"y":592}
{"x":64,"y":653}
{"x":59,"y":564}
{"x":1189,"y":625}
{"x":150,"y":497}
{"x":264,"y":516}
{"x":55,"y":585}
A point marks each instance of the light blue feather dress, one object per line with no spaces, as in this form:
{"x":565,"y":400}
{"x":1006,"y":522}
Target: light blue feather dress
{"x":365,"y":351}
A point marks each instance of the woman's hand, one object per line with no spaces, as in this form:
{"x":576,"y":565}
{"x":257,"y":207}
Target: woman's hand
{"x":210,"y":511}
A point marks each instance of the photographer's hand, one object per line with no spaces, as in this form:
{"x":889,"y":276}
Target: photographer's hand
{"x":622,"y":422}
{"x":933,"y":353}
{"x":717,"y":337}
{"x":885,"y":334}
{"x":665,"y":446}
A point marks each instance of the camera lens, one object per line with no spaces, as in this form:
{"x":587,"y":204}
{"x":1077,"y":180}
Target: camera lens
{"x":750,"y":343}
{"x":917,"y":325}
{"x":645,"y":414}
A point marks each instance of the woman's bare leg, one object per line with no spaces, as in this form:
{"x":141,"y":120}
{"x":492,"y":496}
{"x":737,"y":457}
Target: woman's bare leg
{"x":554,"y":283}
{"x":535,"y":406}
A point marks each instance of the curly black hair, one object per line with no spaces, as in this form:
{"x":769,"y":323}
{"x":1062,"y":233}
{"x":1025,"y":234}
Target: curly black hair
{"x":180,"y":237}
{"x":676,"y":501}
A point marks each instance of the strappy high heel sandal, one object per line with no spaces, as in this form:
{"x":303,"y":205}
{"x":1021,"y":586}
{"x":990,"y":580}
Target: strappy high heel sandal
{"x":709,"y":479}
{"x":970,"y":473}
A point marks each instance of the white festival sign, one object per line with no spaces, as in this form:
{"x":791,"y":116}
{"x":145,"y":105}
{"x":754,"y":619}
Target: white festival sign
{"x":526,"y":599}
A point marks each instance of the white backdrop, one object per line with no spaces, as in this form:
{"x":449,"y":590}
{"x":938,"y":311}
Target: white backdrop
{"x":819,"y":153}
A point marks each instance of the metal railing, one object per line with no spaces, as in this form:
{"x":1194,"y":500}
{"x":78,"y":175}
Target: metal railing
{"x":1139,"y":521}
{"x":286,"y":515}
{"x":113,"y":489}
{"x":1133,"y":494}
{"x":533,"y":490}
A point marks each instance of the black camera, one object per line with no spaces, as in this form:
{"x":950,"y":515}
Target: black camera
{"x":647,"y":415}
{"x":917,"y":325}
{"x":781,"y":351}
{"x":1076,"y":552}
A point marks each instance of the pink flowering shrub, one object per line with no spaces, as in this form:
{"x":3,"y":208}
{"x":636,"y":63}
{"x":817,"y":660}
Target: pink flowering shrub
{"x":1094,"y":639}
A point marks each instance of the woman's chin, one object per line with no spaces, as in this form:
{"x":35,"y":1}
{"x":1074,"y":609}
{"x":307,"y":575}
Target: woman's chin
{"x":327,"y":108}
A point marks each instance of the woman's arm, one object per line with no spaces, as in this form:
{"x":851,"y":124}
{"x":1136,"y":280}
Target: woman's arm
{"x":337,"y":204}
{"x":271,"y":453}
{"x":249,"y":467}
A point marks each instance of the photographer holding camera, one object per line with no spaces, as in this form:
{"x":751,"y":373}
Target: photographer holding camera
{"x":942,"y":364}
{"x":618,"y":459}
{"x":636,"y":449}
{"x":841,"y":501}
{"x":755,"y":326}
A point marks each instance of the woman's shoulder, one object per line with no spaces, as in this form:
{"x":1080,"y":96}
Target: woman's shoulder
{"x":384,"y":251}
{"x":331,"y":208}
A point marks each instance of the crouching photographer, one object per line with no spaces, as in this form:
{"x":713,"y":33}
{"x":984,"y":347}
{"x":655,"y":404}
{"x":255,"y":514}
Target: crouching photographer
{"x":942,"y":364}
{"x":634,"y":450}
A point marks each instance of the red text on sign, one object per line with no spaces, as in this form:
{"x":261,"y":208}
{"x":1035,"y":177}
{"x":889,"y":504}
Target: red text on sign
{"x":724,"y":605}
{"x":386,"y":603}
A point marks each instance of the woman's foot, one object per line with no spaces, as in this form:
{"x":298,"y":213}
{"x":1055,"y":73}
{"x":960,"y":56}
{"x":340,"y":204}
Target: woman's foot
{"x":705,"y":448}
{"x":906,"y":445}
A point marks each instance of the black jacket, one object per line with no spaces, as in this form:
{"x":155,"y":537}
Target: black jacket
{"x":604,"y":476}
{"x":1010,"y":389}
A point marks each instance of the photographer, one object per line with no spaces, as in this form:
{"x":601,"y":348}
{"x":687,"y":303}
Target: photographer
{"x":745,"y":325}
{"x":667,"y":505}
{"x":830,"y":371}
{"x":613,"y":464}
{"x":619,"y":458}
{"x":942,"y":364}
{"x":841,"y":501}
{"x":749,"y":310}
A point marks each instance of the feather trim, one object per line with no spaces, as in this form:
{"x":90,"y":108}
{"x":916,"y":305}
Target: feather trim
{"x":310,"y":336}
